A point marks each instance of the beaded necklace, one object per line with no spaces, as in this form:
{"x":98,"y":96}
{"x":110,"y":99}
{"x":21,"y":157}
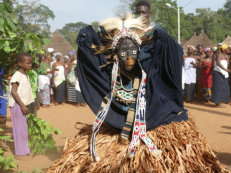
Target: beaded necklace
{"x":123,"y":95}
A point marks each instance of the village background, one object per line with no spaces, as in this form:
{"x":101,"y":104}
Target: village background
{"x":25,"y":26}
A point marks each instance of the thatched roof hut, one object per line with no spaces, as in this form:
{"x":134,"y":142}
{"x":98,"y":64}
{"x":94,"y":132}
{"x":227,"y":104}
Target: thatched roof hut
{"x":182,"y":42}
{"x":202,"y":39}
{"x":191,"y":41}
{"x":227,"y":40}
{"x":60,"y":44}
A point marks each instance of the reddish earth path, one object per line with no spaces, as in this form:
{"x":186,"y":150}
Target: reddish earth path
{"x":214,"y":123}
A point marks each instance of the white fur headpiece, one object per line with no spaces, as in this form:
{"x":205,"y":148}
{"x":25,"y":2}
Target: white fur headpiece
{"x":129,"y":27}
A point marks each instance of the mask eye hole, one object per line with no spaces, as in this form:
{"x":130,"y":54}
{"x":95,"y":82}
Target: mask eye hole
{"x":134,"y":52}
{"x":123,"y":54}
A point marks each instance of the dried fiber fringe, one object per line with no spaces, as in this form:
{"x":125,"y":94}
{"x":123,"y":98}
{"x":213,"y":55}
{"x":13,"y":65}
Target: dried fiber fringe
{"x":184,"y":150}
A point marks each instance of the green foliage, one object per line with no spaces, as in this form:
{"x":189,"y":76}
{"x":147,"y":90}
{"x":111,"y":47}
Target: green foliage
{"x":13,"y":39}
{"x":214,"y":24}
{"x":40,"y":134}
{"x":71,"y":30}
{"x":227,"y":7}
{"x":6,"y":162}
{"x":33,"y":16}
{"x":95,"y":26}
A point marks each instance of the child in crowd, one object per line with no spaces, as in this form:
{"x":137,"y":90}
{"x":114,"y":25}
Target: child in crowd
{"x":33,"y":76}
{"x":20,"y":97}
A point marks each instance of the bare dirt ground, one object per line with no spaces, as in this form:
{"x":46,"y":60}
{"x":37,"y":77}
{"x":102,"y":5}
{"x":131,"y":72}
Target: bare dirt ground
{"x":214,"y":123}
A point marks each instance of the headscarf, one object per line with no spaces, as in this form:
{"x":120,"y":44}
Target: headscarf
{"x":191,"y":46}
{"x":214,"y":49}
{"x":207,"y":49}
{"x":71,"y":53}
{"x":42,"y":52}
{"x":50,"y":50}
{"x":54,"y":57}
{"x":224,"y":47}
{"x":66,"y":57}
{"x":57,"y":53}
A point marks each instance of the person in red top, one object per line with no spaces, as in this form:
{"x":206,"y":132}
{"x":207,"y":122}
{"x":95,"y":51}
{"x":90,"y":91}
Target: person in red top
{"x":206,"y":77}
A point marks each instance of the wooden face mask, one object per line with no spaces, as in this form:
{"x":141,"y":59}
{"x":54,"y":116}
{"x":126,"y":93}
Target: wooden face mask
{"x":127,"y":53}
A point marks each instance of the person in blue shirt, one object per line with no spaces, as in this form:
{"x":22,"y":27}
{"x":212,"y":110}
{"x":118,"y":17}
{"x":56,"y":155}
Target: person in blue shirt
{"x":3,"y":99}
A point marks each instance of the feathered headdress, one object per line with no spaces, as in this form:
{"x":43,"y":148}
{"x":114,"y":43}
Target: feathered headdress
{"x":114,"y":29}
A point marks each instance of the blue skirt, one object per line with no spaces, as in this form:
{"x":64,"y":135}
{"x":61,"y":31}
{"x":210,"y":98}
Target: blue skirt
{"x":221,"y":89}
{"x":3,"y":102}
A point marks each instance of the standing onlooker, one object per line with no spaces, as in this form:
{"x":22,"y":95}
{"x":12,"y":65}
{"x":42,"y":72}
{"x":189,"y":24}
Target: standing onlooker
{"x":52,"y":59}
{"x":59,"y":79}
{"x":142,"y":8}
{"x":214,"y":49}
{"x":71,"y":79}
{"x":74,"y":94}
{"x":219,"y":47}
{"x":66,"y":62}
{"x":51,"y":56}
{"x":221,"y":90}
{"x":200,"y":54}
{"x":229,"y":66}
{"x":44,"y":78}
{"x":66,"y":66}
{"x":190,"y":65}
{"x":206,"y":66}
{"x":33,"y":75}
{"x":34,"y":86}
{"x":21,"y":96}
{"x":80,"y":100}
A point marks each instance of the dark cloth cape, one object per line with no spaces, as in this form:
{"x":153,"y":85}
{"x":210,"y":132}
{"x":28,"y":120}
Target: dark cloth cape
{"x":161,"y":60}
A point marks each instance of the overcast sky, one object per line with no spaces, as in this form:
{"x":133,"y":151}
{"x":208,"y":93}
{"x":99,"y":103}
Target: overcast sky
{"x":87,"y":11}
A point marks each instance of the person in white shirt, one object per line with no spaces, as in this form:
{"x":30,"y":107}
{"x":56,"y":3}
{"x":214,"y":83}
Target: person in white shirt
{"x":190,"y":65}
{"x":20,"y":97}
{"x":221,"y":88}
{"x":59,"y":79}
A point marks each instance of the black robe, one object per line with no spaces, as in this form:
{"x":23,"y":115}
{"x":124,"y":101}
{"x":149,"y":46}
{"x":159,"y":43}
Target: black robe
{"x":161,"y":60}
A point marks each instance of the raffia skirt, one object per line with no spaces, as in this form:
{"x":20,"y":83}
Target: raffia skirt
{"x":184,"y":150}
